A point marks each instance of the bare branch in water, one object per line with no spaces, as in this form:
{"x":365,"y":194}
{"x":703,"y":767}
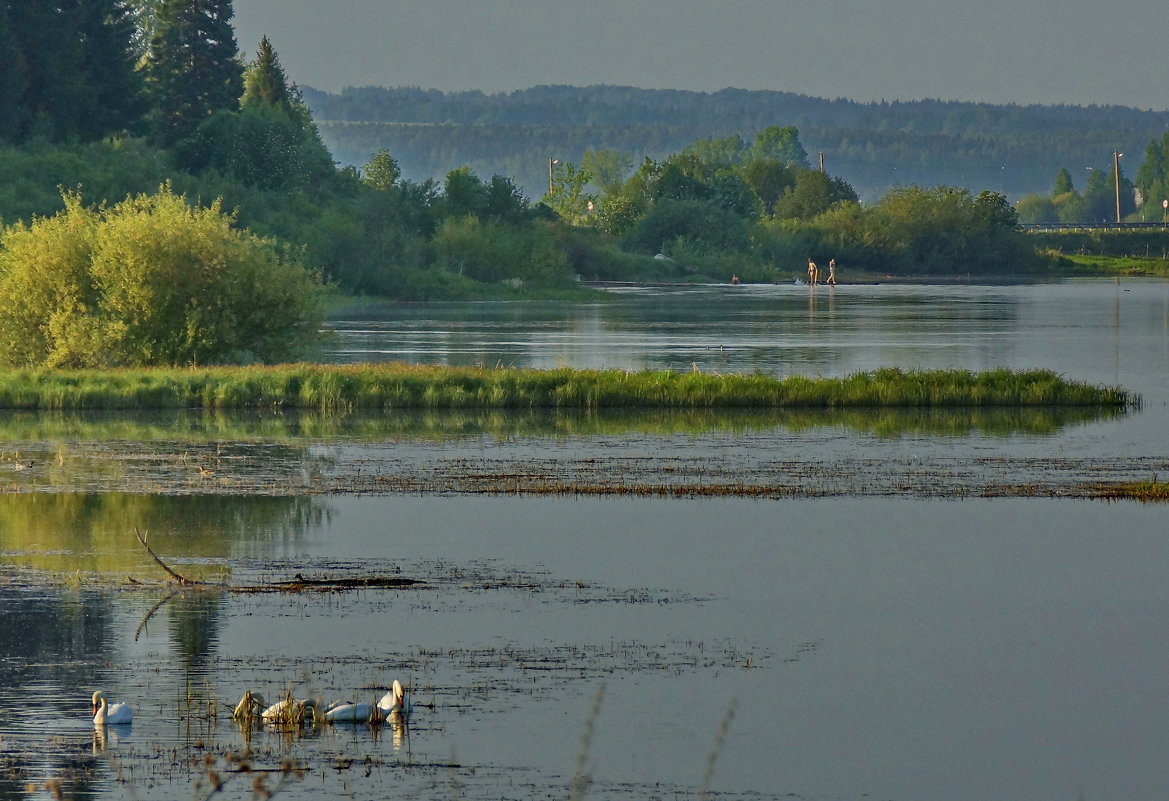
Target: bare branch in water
{"x":179,"y":578}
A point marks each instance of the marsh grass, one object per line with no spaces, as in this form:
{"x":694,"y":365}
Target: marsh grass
{"x":335,"y":389}
{"x":1152,"y":491}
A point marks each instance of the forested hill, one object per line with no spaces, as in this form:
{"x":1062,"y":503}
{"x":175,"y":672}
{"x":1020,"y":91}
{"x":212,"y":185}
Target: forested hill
{"x":1008,"y":148}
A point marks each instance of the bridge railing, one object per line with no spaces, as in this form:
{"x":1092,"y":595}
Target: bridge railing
{"x":1102,"y":226}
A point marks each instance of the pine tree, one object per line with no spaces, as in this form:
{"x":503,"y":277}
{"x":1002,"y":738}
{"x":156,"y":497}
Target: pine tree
{"x":193,"y":67}
{"x":264,"y":80}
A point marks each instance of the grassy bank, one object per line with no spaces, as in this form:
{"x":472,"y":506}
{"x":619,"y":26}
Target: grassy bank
{"x":1134,"y":266}
{"x":399,"y":386}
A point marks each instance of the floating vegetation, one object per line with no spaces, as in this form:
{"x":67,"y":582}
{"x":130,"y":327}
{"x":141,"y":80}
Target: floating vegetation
{"x":1151,"y":490}
{"x":342,"y":388}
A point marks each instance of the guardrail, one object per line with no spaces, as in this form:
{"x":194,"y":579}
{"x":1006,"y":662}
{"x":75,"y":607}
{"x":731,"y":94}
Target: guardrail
{"x":1134,"y":226}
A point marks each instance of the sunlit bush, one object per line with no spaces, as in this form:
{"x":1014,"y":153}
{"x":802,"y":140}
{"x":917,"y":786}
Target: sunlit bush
{"x":149,"y":281}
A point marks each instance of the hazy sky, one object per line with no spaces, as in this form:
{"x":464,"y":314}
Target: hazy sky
{"x":1000,"y":51}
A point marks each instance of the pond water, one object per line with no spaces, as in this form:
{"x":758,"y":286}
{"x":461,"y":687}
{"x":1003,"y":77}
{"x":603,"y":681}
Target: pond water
{"x":860,"y":635}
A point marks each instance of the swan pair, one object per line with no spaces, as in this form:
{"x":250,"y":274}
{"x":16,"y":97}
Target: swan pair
{"x":105,"y":714}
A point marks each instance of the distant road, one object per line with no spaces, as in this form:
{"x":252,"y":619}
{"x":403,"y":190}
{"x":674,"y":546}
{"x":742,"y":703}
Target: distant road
{"x":1138,"y":226}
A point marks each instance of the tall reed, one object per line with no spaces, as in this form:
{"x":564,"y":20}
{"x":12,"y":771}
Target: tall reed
{"x":339,"y":388}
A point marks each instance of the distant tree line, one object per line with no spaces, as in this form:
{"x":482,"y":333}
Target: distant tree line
{"x":1013,"y":150}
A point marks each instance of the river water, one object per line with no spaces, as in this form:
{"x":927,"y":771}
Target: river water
{"x":875,"y":640}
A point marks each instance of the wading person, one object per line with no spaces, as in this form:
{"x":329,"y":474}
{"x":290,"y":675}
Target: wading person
{"x":831,"y":271}
{"x":813,"y":272}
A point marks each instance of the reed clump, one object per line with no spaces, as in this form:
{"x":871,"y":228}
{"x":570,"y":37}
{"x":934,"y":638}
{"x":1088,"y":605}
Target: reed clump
{"x":344,"y":388}
{"x":1148,"y":491}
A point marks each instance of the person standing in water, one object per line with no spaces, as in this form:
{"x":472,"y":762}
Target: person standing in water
{"x":832,"y":271}
{"x":813,"y":272}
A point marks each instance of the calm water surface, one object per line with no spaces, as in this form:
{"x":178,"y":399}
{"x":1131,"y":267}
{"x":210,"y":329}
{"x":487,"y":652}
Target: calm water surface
{"x":850,"y":647}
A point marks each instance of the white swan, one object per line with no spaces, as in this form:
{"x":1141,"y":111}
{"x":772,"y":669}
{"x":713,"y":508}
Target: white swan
{"x":395,"y":701}
{"x":291,"y":710}
{"x":353,"y":713}
{"x":104,"y":714}
{"x":250,"y":705}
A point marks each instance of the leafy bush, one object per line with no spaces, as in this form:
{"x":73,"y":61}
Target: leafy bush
{"x":492,"y":252}
{"x":702,"y":222}
{"x":149,"y":281}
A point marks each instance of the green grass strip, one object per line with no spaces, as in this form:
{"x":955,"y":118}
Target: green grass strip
{"x":341,"y":388}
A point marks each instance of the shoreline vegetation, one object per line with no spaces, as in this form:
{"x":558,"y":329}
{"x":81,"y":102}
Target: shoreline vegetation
{"x":392,"y":386}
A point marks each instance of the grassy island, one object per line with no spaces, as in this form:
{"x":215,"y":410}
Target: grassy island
{"x":342,"y":388}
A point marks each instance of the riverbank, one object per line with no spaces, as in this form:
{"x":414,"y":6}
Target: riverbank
{"x":340,"y":388}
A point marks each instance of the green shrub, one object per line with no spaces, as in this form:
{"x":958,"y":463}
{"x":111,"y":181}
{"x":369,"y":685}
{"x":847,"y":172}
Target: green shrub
{"x":149,"y":281}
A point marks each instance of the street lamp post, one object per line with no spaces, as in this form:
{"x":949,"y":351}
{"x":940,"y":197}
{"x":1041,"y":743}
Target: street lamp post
{"x":551,"y":163}
{"x":1116,"y":173}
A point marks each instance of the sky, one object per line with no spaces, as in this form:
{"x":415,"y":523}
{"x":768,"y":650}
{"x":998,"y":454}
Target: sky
{"x":1023,"y":51}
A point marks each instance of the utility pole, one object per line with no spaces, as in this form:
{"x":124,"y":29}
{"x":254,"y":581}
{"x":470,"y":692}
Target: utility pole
{"x":1116,"y":172}
{"x":821,"y":161}
{"x":551,"y":162}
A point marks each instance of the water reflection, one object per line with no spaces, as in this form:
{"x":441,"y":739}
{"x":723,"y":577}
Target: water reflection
{"x":72,"y":533}
{"x":234,"y":438}
{"x":773,"y":328}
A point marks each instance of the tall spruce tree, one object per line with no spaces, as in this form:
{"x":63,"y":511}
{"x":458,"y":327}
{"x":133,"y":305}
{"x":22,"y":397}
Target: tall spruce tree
{"x":13,"y":80}
{"x":46,"y":38}
{"x":193,"y":68}
{"x":67,"y":69}
{"x":107,"y":62}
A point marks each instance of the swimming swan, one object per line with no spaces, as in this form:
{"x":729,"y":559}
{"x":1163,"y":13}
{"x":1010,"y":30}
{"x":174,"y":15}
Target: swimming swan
{"x":354,"y":713}
{"x":290,"y":710}
{"x":251,"y":705}
{"x":104,"y":714}
{"x":395,"y":701}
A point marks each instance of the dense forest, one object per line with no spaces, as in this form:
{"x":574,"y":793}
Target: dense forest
{"x":1010,"y":149}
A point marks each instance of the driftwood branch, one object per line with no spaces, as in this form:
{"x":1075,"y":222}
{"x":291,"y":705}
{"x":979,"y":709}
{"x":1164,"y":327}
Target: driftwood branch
{"x":298,"y":584}
{"x":176,"y":576}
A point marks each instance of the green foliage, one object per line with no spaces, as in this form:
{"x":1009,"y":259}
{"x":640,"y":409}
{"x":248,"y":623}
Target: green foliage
{"x":946,"y":230}
{"x":1036,"y":209}
{"x":491,"y":252}
{"x":1153,"y":180}
{"x":769,"y":180}
{"x":781,"y":144}
{"x":381,"y":171}
{"x":149,"y":281}
{"x":264,"y":80}
{"x":264,"y":146}
{"x":703,"y":224}
{"x":463,"y":193}
{"x":812,"y":194}
{"x":608,"y":168}
{"x":504,"y":200}
{"x":566,"y":193}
